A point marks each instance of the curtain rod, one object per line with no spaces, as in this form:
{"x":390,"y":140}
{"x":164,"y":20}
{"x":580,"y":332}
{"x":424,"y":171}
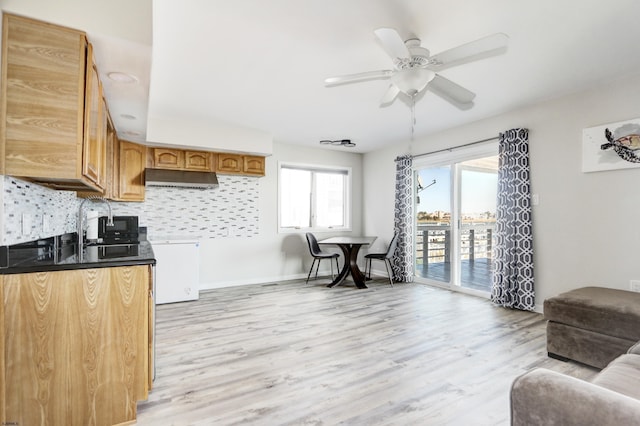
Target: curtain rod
{"x":455,"y":147}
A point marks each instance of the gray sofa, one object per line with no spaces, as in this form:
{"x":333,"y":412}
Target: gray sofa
{"x":545,"y":397}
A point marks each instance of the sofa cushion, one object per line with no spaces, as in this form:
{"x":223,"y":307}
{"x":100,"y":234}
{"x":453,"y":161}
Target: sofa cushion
{"x":546,"y":398}
{"x":622,"y":376}
{"x":603,"y":310}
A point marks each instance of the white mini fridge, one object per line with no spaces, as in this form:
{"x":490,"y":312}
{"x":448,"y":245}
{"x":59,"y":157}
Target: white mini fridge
{"x":177,"y":269}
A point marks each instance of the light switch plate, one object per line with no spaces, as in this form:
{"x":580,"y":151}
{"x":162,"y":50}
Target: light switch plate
{"x":26,"y":223}
{"x":535,"y":199}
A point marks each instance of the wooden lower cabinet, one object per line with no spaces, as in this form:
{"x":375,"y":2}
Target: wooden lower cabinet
{"x":75,"y":345}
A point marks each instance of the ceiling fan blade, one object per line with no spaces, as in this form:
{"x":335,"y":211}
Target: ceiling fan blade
{"x":392,"y":43}
{"x":481,"y":48}
{"x":362,"y":76}
{"x":390,"y":95}
{"x":452,"y":92}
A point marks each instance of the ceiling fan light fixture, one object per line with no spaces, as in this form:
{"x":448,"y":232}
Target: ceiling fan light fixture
{"x":412,"y":81}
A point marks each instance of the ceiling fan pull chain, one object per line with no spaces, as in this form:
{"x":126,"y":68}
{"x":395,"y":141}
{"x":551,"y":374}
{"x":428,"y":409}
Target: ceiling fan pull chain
{"x":413,"y":115}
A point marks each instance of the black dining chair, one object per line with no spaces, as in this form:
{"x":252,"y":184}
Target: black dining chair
{"x":386,"y":257}
{"x":318,"y":255}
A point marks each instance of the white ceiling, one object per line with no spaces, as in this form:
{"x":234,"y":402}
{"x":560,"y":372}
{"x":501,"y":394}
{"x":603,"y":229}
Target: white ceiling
{"x":261,"y":64}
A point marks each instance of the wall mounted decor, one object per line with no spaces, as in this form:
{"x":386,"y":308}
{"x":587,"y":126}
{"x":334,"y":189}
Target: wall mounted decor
{"x":611,"y":146}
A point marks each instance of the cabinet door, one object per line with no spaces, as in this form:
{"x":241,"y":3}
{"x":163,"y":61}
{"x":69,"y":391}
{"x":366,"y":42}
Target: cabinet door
{"x":131,"y":166}
{"x":229,"y":163}
{"x":42,"y":111}
{"x":253,"y":165}
{"x":94,"y":152}
{"x":3,"y":381}
{"x":81,"y":333}
{"x":151,"y":368}
{"x":111,"y":172}
{"x":165,"y":158}
{"x":198,"y":160}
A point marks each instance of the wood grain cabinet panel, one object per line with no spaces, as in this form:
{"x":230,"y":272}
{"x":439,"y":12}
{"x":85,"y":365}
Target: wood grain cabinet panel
{"x":253,"y":165}
{"x":165,"y":158}
{"x":206,"y":161}
{"x":126,"y":162}
{"x":94,"y":147}
{"x":178,"y":159}
{"x":229,"y":163}
{"x":199,"y":161}
{"x":42,"y":106}
{"x":131,"y":164}
{"x":3,"y":381}
{"x":75,"y":345}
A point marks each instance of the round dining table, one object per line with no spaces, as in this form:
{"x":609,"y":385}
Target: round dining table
{"x":350,"y":247}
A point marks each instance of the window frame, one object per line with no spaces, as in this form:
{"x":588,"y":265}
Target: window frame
{"x":313,"y":168}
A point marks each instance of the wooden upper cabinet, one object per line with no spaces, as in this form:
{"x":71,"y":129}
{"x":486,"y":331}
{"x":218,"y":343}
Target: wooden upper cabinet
{"x":178,"y":159}
{"x":229,"y":163}
{"x":241,"y":164}
{"x":131,"y":165}
{"x":165,"y":158}
{"x":198,"y":160}
{"x":253,"y":165}
{"x":94,"y":148}
{"x":42,"y":106}
{"x":206,"y":161}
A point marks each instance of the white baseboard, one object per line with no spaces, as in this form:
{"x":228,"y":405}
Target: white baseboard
{"x":266,"y":280}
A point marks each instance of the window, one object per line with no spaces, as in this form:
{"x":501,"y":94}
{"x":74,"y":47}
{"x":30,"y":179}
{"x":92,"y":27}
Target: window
{"x":313,"y":197}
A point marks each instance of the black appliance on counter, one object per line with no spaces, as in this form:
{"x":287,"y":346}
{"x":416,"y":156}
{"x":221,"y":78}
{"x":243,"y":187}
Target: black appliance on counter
{"x":124,"y":230}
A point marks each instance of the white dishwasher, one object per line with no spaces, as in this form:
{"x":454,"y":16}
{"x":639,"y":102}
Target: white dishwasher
{"x":177,"y":269}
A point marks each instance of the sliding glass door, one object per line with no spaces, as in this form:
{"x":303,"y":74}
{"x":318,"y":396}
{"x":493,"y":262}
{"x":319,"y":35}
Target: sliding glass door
{"x":456,"y":206}
{"x":434,"y":231}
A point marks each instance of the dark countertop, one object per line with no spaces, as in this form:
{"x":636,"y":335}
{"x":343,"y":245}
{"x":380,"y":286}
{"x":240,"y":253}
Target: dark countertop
{"x":59,"y":254}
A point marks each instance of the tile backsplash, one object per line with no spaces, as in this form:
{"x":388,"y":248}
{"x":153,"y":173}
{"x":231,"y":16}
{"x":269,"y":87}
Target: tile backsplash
{"x":231,"y":210}
{"x":31,"y":211}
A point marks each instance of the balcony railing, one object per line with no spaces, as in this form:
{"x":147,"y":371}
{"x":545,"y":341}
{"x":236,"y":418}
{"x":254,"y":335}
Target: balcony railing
{"x":433,"y":253}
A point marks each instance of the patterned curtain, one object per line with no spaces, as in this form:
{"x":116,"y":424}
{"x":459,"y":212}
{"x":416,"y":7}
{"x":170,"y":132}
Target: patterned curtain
{"x":403,"y":220}
{"x":513,"y":252}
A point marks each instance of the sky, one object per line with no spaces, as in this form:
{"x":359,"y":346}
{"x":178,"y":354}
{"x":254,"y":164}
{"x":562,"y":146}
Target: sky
{"x":479,"y":191}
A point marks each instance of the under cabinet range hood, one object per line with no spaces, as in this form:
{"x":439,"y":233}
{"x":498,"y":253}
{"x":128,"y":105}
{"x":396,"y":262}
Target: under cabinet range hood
{"x":180,"y":179}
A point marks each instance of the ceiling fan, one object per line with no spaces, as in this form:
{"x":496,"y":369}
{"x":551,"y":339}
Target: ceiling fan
{"x":414,"y":68}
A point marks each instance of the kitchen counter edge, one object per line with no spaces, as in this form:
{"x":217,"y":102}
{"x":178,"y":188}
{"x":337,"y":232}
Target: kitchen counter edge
{"x":145,"y":257}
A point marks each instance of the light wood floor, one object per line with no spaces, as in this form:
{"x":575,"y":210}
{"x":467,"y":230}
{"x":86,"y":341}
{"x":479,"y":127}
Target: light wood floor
{"x":296,"y":354}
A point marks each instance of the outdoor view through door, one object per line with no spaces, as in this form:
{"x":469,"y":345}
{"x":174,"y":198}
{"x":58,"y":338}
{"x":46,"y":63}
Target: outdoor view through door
{"x":456,"y":214}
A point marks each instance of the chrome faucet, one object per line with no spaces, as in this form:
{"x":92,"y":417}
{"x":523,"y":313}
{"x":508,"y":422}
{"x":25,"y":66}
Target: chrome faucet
{"x":80,"y":222}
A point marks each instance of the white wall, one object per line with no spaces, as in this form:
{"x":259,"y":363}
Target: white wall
{"x":271,"y":256}
{"x":205,"y":133}
{"x":585,"y":228}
